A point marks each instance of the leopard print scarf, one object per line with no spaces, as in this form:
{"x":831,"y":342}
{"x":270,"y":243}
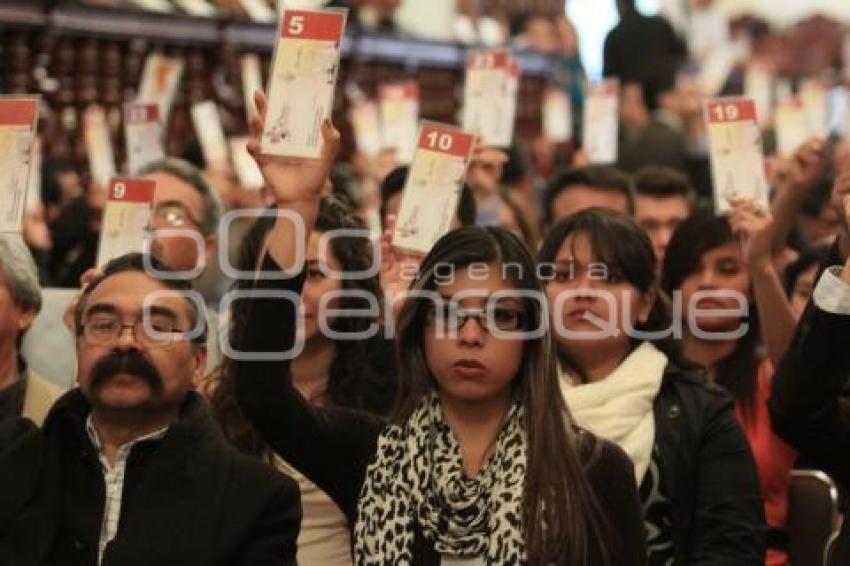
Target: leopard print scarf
{"x":417,"y":479}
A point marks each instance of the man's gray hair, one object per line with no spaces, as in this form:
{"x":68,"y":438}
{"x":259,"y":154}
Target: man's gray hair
{"x":190,"y":174}
{"x":19,"y":272}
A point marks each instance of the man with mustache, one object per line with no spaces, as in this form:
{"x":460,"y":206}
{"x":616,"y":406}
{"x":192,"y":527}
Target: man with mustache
{"x":133,"y":470}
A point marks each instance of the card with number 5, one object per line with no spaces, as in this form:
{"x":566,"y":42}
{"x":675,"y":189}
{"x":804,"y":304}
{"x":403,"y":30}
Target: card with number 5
{"x":433,"y":186}
{"x":302,"y":82}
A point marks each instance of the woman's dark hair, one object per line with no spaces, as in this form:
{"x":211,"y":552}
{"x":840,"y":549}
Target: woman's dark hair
{"x":618,"y":242}
{"x":817,"y":255}
{"x":353,"y":381}
{"x":561,"y":519}
{"x":704,"y":231}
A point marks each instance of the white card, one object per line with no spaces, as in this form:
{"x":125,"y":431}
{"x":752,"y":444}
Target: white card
{"x":488,"y":111}
{"x":792,"y":126}
{"x":125,"y":218}
{"x":99,"y":146}
{"x":34,"y":195}
{"x":198,"y":8}
{"x":366,"y":122}
{"x":303,"y":81}
{"x":252,"y":81}
{"x":601,"y":124}
{"x":247,"y":171}
{"x":737,"y":157}
{"x":814,"y":96}
{"x":758,"y":85}
{"x":143,"y":136}
{"x":18,"y":121}
{"x":716,"y":68}
{"x":160,"y":80}
{"x":433,"y":187}
{"x":258,"y":11}
{"x":210,"y":133}
{"x":155,"y":5}
{"x":557,"y":116}
{"x":399,"y":109}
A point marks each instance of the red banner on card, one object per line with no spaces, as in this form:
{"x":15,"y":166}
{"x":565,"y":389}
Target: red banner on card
{"x":142,"y":113}
{"x":131,"y":190}
{"x":731,"y":110}
{"x":488,"y":59}
{"x":446,"y":140}
{"x":399,"y":90}
{"x":305,"y":24}
{"x":18,"y":111}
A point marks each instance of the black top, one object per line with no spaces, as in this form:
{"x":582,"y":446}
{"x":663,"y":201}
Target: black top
{"x":12,"y":397}
{"x":643,"y":49}
{"x":333,"y":446}
{"x":807,"y":408}
{"x":188,"y":498}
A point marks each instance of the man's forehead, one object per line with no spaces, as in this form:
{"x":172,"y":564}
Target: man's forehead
{"x":171,"y":188}
{"x":133,"y":290}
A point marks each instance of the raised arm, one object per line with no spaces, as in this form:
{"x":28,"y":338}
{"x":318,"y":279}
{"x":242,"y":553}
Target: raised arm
{"x":318,"y":442}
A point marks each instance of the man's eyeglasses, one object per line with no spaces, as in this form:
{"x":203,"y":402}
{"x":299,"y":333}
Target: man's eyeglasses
{"x":502,"y":319}
{"x":155,"y":330}
{"x":173,"y":215}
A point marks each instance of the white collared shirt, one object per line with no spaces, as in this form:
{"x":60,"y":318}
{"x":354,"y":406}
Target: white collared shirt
{"x":113,"y":479}
{"x":832,"y":293}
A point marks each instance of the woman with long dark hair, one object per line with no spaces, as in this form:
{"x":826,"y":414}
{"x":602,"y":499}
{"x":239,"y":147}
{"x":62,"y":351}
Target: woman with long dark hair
{"x":479,"y":462}
{"x":713,"y":270}
{"x":622,"y":380}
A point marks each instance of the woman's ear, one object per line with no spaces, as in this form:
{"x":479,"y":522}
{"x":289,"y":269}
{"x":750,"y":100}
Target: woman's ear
{"x":645,"y":304}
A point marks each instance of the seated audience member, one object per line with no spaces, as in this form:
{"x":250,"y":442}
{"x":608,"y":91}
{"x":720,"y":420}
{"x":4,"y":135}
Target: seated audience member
{"x":807,"y":403}
{"x":732,"y":300}
{"x":586,"y":187}
{"x":516,"y":217}
{"x":663,"y":199}
{"x":133,"y":470}
{"x":22,"y":390}
{"x":644,"y":138}
{"x":391,"y":193}
{"x":696,"y":475}
{"x":801,"y":275}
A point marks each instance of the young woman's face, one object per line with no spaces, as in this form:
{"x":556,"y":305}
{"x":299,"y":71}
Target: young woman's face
{"x":723,"y":283}
{"x":595,"y":309}
{"x":470,"y":364}
{"x":317,"y":285}
{"x":803,"y":287}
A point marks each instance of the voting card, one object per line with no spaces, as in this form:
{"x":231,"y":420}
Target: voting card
{"x":399,"y":110}
{"x":210,"y":133}
{"x":247,"y":171}
{"x":737,"y":157}
{"x":252,"y":81}
{"x":126,"y":218}
{"x":160,"y":81}
{"x":143,"y":136}
{"x":557,"y":116}
{"x":18,"y":123}
{"x":758,"y":85}
{"x":366,"y":121}
{"x":487,"y":87}
{"x":98,"y":146}
{"x":258,"y":11}
{"x":601,"y":123}
{"x":814,"y":95}
{"x":433,"y":186}
{"x":303,"y":81}
{"x":791,"y":125}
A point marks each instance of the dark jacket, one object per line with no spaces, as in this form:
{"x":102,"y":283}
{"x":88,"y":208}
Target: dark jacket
{"x":332,"y":447}
{"x":709,"y":473}
{"x":188,"y":499}
{"x":806,"y":404}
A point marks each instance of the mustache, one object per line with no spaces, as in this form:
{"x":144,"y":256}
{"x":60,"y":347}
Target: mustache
{"x":130,"y":362}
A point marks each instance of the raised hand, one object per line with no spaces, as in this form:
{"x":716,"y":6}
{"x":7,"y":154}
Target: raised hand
{"x":292,"y":180}
{"x":754,"y":228}
{"x":398,"y":268}
{"x":805,"y":166}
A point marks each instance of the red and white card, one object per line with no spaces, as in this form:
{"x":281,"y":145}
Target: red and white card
{"x":160,"y":80}
{"x":433,"y":186}
{"x":125,"y":218}
{"x":489,"y":96}
{"x":601,"y":121}
{"x":399,"y":111}
{"x":143,"y":135}
{"x":557,"y":116}
{"x":99,"y":146}
{"x":303,"y":81}
{"x":737,"y":157}
{"x":18,"y":123}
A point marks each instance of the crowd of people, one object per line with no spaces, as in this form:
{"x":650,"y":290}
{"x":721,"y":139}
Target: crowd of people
{"x":591,"y":367}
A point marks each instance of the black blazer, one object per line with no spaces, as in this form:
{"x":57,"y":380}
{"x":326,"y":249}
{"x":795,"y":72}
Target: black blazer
{"x":806,"y":402}
{"x":333,"y":446}
{"x":189,"y":499}
{"x":710,"y":473}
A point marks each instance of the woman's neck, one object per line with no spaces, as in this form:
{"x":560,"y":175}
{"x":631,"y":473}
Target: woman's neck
{"x":597,"y":364}
{"x":707,"y":353}
{"x":476,"y":426}
{"x":311,"y":369}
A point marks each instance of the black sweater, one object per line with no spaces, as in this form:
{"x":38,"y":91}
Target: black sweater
{"x":333,"y":446}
